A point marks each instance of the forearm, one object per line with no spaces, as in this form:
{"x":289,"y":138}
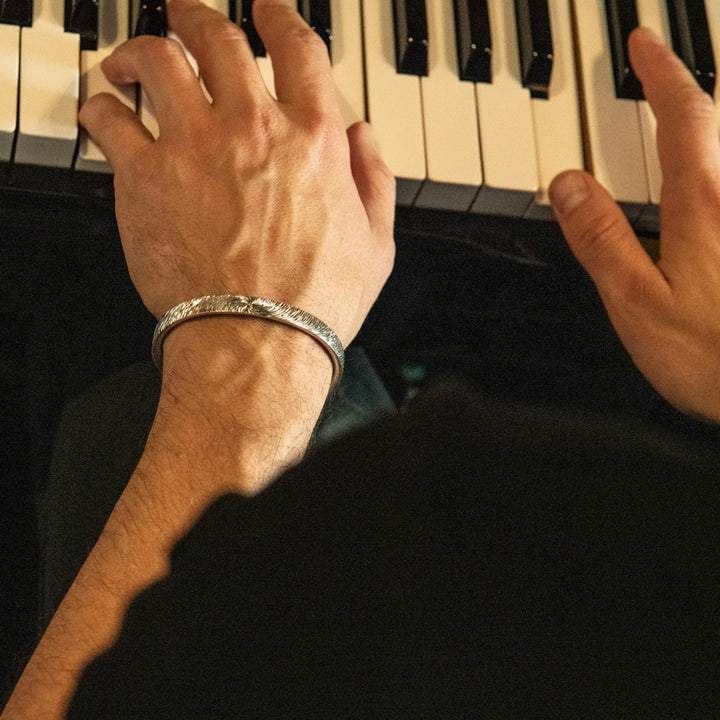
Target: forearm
{"x":240,"y":400}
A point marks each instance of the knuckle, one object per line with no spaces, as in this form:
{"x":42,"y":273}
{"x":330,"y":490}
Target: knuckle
{"x":599,"y":233}
{"x":217,"y":30}
{"x":260,"y":123}
{"x":306,"y":38}
{"x":319,"y":126}
{"x":163,"y":51}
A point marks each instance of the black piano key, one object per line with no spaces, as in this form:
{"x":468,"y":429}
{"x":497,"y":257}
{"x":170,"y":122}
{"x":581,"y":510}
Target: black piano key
{"x":317,"y":16}
{"x":241,"y":14}
{"x":622,"y":19}
{"x":535,"y":44}
{"x":16,"y":12}
{"x":473,"y":40}
{"x":691,"y":40}
{"x":411,"y":36}
{"x":152,"y":19}
{"x":81,"y":16}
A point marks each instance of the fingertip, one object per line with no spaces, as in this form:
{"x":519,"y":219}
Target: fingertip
{"x":113,"y":126}
{"x":568,"y":191}
{"x":362,"y":132}
{"x":113,"y":71}
{"x":92,"y":110}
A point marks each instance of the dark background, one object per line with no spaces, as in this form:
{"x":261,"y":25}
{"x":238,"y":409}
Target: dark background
{"x":501,"y":302}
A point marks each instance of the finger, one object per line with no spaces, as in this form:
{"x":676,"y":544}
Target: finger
{"x":300,"y":61}
{"x":162,"y":68}
{"x":373,"y":179}
{"x":602,"y":240}
{"x":115,"y":128}
{"x":687,"y":129}
{"x":226,"y":61}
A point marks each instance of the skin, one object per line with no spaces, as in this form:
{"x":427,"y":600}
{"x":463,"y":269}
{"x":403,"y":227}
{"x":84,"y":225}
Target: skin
{"x":666,"y":314}
{"x":255,"y":196}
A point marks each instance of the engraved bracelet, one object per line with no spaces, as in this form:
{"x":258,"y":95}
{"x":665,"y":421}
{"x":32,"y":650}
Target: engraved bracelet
{"x":250,"y":307}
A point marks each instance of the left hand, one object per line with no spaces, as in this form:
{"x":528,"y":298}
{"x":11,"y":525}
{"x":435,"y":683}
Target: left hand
{"x":666,"y":314}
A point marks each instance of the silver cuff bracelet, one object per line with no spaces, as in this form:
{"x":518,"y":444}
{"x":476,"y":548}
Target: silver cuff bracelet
{"x":250,"y":307}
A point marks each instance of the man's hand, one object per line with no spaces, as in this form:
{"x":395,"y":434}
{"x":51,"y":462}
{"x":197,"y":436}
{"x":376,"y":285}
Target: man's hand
{"x":245,"y":195}
{"x":667,"y":314}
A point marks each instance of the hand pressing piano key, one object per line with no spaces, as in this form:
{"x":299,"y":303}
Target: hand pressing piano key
{"x":113,"y":29}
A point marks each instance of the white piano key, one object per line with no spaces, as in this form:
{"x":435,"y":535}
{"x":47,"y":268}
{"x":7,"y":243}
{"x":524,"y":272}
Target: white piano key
{"x":394,"y":105}
{"x":49,"y":89}
{"x":452,"y":143}
{"x":9,"y":78}
{"x":347,"y":59}
{"x":113,"y":30}
{"x":558,"y":127}
{"x":614,"y":137}
{"x":506,"y":128}
{"x":652,"y":14}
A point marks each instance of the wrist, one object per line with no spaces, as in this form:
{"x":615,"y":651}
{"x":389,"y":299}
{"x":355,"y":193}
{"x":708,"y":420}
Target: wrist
{"x":240,"y":399}
{"x":255,"y":307}
{"x":208,"y":358}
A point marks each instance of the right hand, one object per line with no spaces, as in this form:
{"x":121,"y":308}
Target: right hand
{"x":666,"y":314}
{"x":245,"y":195}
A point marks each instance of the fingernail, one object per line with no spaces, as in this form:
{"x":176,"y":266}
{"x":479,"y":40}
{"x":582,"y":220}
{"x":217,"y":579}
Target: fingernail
{"x":568,"y":191}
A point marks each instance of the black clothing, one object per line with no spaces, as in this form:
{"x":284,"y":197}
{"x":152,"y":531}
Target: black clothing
{"x":467,"y":558}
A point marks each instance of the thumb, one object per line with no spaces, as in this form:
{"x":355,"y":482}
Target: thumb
{"x":602,"y":240}
{"x":374,"y":181}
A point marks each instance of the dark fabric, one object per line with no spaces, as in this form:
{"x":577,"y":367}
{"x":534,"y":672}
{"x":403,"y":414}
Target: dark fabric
{"x":100,"y":439}
{"x":464,"y":559}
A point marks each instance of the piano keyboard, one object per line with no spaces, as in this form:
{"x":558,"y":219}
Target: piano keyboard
{"x":476,"y":104}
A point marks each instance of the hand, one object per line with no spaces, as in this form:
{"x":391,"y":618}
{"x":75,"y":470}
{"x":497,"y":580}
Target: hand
{"x":667,"y":314}
{"x":245,"y":195}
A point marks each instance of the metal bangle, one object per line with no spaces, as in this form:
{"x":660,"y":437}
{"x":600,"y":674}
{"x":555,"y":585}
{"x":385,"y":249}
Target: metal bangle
{"x":250,"y":307}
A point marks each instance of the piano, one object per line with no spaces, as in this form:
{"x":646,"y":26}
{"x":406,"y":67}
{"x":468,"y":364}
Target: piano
{"x":493,"y":98}
{"x":476,"y":104}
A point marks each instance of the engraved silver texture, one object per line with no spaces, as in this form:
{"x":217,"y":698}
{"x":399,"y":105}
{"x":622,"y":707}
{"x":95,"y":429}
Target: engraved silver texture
{"x":250,"y":307}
